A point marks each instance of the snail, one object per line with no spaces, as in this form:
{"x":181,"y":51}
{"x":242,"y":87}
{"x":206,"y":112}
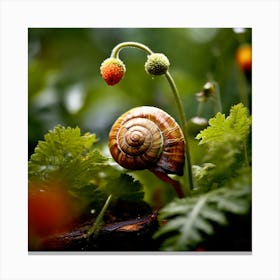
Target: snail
{"x":146,"y":137}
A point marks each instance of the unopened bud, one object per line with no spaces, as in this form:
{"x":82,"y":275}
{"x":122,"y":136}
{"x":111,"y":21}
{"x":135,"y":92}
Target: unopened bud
{"x":157,"y":64}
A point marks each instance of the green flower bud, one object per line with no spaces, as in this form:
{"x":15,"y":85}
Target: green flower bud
{"x":157,"y":64}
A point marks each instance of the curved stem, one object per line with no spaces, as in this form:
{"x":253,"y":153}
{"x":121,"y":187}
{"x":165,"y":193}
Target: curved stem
{"x":188,"y":167}
{"x":117,"y":48}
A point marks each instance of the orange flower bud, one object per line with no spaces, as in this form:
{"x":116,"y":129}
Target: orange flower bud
{"x":112,"y":70}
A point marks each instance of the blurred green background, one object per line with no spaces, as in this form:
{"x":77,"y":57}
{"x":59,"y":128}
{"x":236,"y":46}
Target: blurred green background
{"x":65,"y":86}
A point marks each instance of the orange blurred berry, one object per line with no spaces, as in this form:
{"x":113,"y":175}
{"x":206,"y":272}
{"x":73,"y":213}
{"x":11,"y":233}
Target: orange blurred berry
{"x":50,"y":210}
{"x":112,"y":70}
{"x":244,"y":57}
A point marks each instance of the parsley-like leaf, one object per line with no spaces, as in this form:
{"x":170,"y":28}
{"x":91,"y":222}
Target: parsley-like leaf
{"x":67,"y":156}
{"x":124,"y":187}
{"x":226,"y":139}
{"x":237,"y":124}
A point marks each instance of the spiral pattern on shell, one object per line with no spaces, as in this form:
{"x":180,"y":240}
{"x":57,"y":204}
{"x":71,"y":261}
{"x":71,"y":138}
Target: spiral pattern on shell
{"x":147,"y":137}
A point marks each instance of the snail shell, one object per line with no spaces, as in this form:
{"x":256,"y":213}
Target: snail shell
{"x":148,"y":138}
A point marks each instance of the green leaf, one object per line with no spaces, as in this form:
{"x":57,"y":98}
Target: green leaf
{"x":89,"y":194}
{"x":62,"y":144}
{"x":125,"y":187}
{"x":191,"y":219}
{"x":226,"y":140}
{"x":204,"y":175}
{"x":237,"y":124}
{"x":67,"y":156}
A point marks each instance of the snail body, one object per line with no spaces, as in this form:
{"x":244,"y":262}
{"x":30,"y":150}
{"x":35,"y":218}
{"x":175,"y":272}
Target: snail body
{"x":146,"y":137}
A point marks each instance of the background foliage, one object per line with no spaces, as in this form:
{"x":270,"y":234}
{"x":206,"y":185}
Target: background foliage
{"x":65,"y":88}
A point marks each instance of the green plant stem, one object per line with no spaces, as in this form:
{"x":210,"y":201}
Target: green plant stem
{"x":188,"y":168}
{"x":96,"y":226}
{"x":117,"y":48}
{"x":218,"y":101}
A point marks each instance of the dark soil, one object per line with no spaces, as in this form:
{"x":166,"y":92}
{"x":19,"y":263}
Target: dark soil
{"x":127,"y":227}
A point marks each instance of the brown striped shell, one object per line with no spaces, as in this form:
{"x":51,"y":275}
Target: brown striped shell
{"x":146,"y":138}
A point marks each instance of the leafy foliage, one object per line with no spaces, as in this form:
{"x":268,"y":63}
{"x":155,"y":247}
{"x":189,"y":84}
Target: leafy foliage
{"x":51,"y":82}
{"x":236,"y":125}
{"x":227,"y":141}
{"x":124,"y":186}
{"x":193,"y":218}
{"x":223,"y":183}
{"x":69,"y":157}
